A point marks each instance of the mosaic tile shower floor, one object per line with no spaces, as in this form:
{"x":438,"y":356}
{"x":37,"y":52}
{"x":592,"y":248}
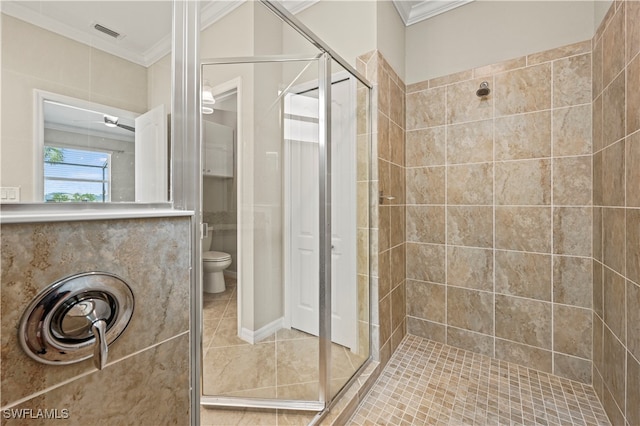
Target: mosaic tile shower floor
{"x":428,"y":383}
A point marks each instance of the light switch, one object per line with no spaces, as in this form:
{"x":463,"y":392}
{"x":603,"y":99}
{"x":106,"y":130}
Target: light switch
{"x":10,"y":194}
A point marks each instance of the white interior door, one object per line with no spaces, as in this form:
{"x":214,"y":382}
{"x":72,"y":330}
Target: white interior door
{"x":151,"y":150}
{"x":301,"y":134}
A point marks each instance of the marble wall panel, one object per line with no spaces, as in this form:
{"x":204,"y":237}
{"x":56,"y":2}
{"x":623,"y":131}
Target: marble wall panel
{"x":138,"y":250}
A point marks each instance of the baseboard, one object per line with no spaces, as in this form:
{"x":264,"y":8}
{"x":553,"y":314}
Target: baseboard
{"x":262,"y":333}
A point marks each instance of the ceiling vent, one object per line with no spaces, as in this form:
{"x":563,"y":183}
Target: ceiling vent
{"x":108,"y":31}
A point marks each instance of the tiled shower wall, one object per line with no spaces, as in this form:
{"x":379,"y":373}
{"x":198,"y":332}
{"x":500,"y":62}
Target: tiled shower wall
{"x":388,"y":216}
{"x":498,"y":211}
{"x":616,"y":215}
{"x":150,"y":360}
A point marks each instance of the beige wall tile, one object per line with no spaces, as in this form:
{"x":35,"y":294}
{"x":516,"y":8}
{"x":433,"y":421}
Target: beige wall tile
{"x":613,"y":237}
{"x":398,"y":264}
{"x":398,"y":306}
{"x":598,"y":295}
{"x":633,"y":319}
{"x":613,"y":47}
{"x":470,"y":268}
{"x":633,"y":245}
{"x":470,"y":226}
{"x":573,"y":368}
{"x":632,"y":169}
{"x":597,"y":233}
{"x":470,"y":142}
{"x":418,"y":87}
{"x":523,"y":136}
{"x":569,"y":225}
{"x":384,"y":273}
{"x":397,"y":217}
{"x":426,"y":224}
{"x":524,"y":321}
{"x":384,"y":228}
{"x":425,"y":262}
{"x":523,"y":182}
{"x":397,"y":185}
{"x":384,"y":95}
{"x":614,"y":303}
{"x":597,"y":125}
{"x":572,"y":181}
{"x":523,"y":90}
{"x":536,"y":358}
{"x":427,"y":329}
{"x":633,"y":388}
{"x":384,"y":307}
{"x":384,"y":144}
{"x":130,"y":392}
{"x":426,"y":301}
{"x":489,"y":70}
{"x":572,"y":131}
{"x":425,"y":185}
{"x":35,"y":255}
{"x":613,"y":175}
{"x":597,"y":179}
{"x":596,"y":69}
{"x":614,"y":366}
{"x":475,"y":342}
{"x":611,"y":407}
{"x":572,"y":331}
{"x":396,"y":103}
{"x":425,"y":147}
{"x":426,"y":108}
{"x":396,"y":144}
{"x":613,"y":111}
{"x":523,"y":228}
{"x":559,"y":52}
{"x":523,"y":274}
{"x":633,"y":96}
{"x":571,"y":81}
{"x":633,"y":33}
{"x":598,"y":344}
{"x":573,"y":281}
{"x":470,"y":309}
{"x":463,"y":105}
{"x":470,"y":184}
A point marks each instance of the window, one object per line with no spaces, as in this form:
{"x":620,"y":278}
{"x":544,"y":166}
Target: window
{"x":76,"y":175}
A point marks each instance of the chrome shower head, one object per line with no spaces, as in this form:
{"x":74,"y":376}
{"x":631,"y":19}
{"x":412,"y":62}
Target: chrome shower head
{"x":483,"y":90}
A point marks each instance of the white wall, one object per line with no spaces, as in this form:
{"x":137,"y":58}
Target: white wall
{"x":485,"y":32}
{"x":34,"y":58}
{"x":348,"y":27}
{"x":391,"y":36}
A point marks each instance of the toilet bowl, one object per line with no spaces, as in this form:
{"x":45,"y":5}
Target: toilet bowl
{"x":213,"y":263}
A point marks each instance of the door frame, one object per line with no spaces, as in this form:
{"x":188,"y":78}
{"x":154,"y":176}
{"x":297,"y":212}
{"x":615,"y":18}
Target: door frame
{"x":288,"y":285}
{"x":235,"y":84}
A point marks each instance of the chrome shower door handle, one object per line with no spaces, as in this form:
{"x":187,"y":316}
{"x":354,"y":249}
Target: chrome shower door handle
{"x":100,"y":349}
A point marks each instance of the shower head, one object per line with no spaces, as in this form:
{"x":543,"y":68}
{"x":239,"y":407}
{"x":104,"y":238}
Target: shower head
{"x":483,"y":90}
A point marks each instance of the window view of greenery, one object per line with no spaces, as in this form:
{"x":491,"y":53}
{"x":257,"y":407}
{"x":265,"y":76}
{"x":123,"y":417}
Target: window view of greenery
{"x":73,"y":175}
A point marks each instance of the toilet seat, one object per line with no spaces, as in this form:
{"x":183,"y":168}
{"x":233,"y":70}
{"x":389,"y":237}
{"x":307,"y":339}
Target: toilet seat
{"x":215,"y":256}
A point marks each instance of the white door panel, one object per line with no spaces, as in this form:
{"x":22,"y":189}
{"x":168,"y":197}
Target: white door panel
{"x":301,"y":134}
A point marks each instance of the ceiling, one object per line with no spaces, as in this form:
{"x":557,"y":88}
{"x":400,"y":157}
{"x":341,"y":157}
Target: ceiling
{"x":145,"y":31}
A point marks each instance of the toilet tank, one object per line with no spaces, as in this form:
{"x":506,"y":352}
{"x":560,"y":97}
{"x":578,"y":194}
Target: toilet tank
{"x":206,"y":241}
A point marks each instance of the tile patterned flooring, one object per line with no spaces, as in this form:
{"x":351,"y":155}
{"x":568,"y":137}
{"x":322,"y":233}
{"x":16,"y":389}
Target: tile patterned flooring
{"x":283,"y":365}
{"x":434,"y":384}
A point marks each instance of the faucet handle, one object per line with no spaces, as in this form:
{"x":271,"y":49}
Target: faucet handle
{"x":100,"y":349}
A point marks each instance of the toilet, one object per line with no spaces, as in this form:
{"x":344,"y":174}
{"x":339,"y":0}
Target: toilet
{"x":213,"y":263}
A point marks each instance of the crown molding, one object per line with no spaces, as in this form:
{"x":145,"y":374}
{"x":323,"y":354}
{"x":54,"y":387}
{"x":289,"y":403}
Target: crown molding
{"x":412,"y":12}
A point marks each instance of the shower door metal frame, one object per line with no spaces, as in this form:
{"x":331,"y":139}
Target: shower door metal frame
{"x":324,"y":59}
{"x":271,"y":403}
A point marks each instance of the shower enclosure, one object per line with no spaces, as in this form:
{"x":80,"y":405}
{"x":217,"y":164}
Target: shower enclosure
{"x":295,"y":328}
